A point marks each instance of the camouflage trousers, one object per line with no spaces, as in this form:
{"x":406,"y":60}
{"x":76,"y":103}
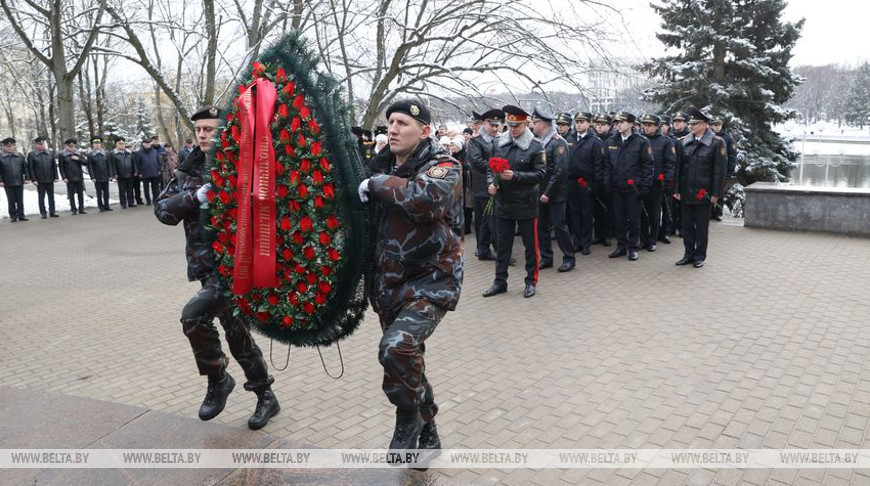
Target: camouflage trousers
{"x":197,"y":320}
{"x":401,"y":354}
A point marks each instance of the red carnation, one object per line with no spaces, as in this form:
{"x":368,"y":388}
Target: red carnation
{"x":326,"y":271}
{"x":333,"y":254}
{"x":279,"y":168}
{"x":294,"y":177}
{"x":235,"y":132}
{"x":324,"y":288}
{"x":318,"y":202}
{"x":661,"y":177}
{"x":630,"y":182}
{"x":287,"y":254}
{"x":305,"y":166}
{"x":288,"y":149}
{"x":210,"y":196}
{"x":259,"y":69}
{"x":293,"y":298}
{"x":332,"y":222}
{"x":313,"y":126}
{"x":294,"y":206}
{"x":324,"y":164}
{"x":701,"y":195}
{"x":303,"y":191}
{"x":273,"y":299}
{"x":301,"y":140}
{"x":302,"y":287}
{"x":299,"y":269}
{"x":297,"y":238}
{"x":581,"y":181}
{"x":312,"y":278}
{"x":308,"y":253}
{"x":230,"y":119}
{"x":285,"y":223}
{"x":317,"y":176}
{"x":320,"y":299}
{"x":280,"y":75}
{"x":263,"y":316}
{"x":325,"y":239}
{"x":223,"y":270}
{"x":217,"y":246}
{"x":315,"y":149}
{"x":498,"y":165}
{"x":224,"y":197}
{"x":296,"y":124}
{"x":308,"y":308}
{"x":305,"y":224}
{"x":299,"y":102}
{"x":283,"y":111}
{"x":289,"y":88}
{"x":233,"y":180}
{"x":285,"y":136}
{"x":304,"y":112}
{"x":329,"y":191}
{"x":287,"y":321}
{"x":282,"y":192}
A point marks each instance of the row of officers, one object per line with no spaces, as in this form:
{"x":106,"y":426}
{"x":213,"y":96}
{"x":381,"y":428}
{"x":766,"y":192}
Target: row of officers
{"x":616,"y":177}
{"x":42,"y":167}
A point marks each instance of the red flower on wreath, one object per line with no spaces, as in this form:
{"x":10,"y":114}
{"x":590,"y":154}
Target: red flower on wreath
{"x":305,"y":224}
{"x":329,"y":191}
{"x":317,"y":177}
{"x":283,"y":111}
{"x":318,"y":202}
{"x":224,"y":197}
{"x":305,"y":166}
{"x":296,"y":124}
{"x":316,"y":148}
{"x":280,"y":76}
{"x":325,"y":239}
{"x":313,"y":126}
{"x":308,"y":253}
{"x":332,"y":222}
{"x":299,"y":102}
{"x":289,"y":88}
{"x":303,"y":191}
{"x":258,"y":69}
{"x":324,"y":164}
{"x":308,"y":308}
{"x":333,"y":254}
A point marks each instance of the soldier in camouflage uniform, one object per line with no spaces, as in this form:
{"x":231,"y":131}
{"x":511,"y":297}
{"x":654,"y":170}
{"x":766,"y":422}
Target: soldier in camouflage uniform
{"x":181,"y":201}
{"x":418,"y":263}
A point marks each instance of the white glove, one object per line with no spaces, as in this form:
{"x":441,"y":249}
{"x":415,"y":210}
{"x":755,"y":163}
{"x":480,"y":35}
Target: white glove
{"x":202,"y":191}
{"x":363,"y":191}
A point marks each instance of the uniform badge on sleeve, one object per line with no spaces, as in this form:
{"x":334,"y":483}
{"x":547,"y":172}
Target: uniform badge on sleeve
{"x":649,"y":150}
{"x":437,"y":172}
{"x":560,"y":150}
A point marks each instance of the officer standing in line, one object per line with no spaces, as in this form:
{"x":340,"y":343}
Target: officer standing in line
{"x":479,"y":153}
{"x":124,"y":165}
{"x":700,"y":179}
{"x":664,"y":156}
{"x":553,"y":198}
{"x":13,"y":175}
{"x":603,"y":213}
{"x":516,"y":197}
{"x":563,"y":124}
{"x":680,"y":127}
{"x":679,"y":132}
{"x":718,"y":127}
{"x":43,"y":169}
{"x":667,"y":228}
{"x":101,"y":169}
{"x":70,"y":163}
{"x":628,"y":170}
{"x":584,"y":175}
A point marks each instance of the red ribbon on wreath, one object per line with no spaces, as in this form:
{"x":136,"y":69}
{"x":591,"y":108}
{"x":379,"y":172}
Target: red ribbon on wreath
{"x":255,"y":256}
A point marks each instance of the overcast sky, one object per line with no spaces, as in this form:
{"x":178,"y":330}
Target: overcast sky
{"x":832,"y":33}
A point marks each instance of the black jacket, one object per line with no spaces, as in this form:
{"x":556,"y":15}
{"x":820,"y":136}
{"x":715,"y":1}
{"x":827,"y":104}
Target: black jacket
{"x":13,"y":169}
{"x":731,"y":149}
{"x":556,"y":175}
{"x":100,"y":166}
{"x":702,"y":166}
{"x":478,"y":153}
{"x":71,"y":169}
{"x":664,"y":156}
{"x":584,"y":158}
{"x":629,"y":160}
{"x":42,"y":165}
{"x":518,"y":197}
{"x":124,"y":164}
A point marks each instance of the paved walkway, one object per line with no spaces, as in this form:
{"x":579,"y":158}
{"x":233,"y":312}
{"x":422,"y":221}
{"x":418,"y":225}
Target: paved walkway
{"x":765,"y":347}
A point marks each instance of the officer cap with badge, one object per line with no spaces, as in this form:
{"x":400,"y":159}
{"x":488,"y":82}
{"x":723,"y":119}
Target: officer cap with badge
{"x":563,"y":118}
{"x":602,"y":118}
{"x":624,"y":116}
{"x":680,"y":116}
{"x":717,"y":120}
{"x":650,"y":119}
{"x":542,"y":115}
{"x":39,"y":139}
{"x":96,"y":140}
{"x":697,"y":116}
{"x":584,"y":116}
{"x":666,"y":120}
{"x":493,"y":116}
{"x":413,"y":108}
{"x":8,"y":141}
{"x":514,"y":115}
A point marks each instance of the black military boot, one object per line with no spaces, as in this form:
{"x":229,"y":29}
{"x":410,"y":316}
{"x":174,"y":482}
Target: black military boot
{"x":429,"y":445}
{"x":267,"y":407}
{"x":216,"y":396}
{"x":408,"y":427}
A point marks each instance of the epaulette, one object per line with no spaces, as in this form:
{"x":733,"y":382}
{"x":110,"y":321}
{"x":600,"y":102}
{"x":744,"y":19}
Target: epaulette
{"x":559,"y":137}
{"x":717,"y":137}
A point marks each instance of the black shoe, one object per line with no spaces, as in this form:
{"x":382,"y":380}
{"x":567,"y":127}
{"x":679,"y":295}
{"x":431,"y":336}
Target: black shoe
{"x":585,"y":251}
{"x":22,"y":218}
{"x":606,"y":242}
{"x":139,"y":202}
{"x":487,"y":258}
{"x":83,"y":212}
{"x":529,"y":292}
{"x":428,"y":446}
{"x":53,"y":215}
{"x":13,"y":220}
{"x":512,"y":261}
{"x":619,"y":252}
{"x":632,"y":255}
{"x":409,"y":424}
{"x":132,"y":205}
{"x":716,"y":217}
{"x":545,"y":265}
{"x":74,"y":212}
{"x":698,"y":263}
{"x":102,"y":210}
{"x":148,"y":203}
{"x":664,"y":239}
{"x":651,"y":247}
{"x":566,"y":267}
{"x":495,"y":290}
{"x":267,"y":407}
{"x":216,"y":396}
{"x":684,"y":261}
{"x":44,"y":217}
{"x":108,"y":209}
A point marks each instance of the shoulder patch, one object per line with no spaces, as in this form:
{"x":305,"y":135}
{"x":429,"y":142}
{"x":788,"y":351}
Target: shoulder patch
{"x":673,"y":149}
{"x":438,"y":171}
{"x":722,"y":151}
{"x":649,"y":150}
{"x":560,"y":150}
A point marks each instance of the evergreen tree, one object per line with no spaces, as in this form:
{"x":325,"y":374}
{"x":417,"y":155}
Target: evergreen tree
{"x":858,"y":100}
{"x":143,"y":127}
{"x":731,"y":57}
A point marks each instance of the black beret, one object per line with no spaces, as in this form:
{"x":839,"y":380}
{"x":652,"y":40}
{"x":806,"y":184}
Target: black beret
{"x":563,"y":118}
{"x":39,"y":140}
{"x":584,"y":116}
{"x":514,"y":114}
{"x":666,"y":119}
{"x":206,"y":112}
{"x":493,"y":116}
{"x":8,"y":141}
{"x":625,"y":116}
{"x":97,"y":140}
{"x":696,"y":115}
{"x":542,"y":114}
{"x":651,"y":119}
{"x":413,"y":108}
{"x":70,"y":141}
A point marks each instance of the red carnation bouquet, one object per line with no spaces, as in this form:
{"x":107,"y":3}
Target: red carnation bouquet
{"x":497,"y":165}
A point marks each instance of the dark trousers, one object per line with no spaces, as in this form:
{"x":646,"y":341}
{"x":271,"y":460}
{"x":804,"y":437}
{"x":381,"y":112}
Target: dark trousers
{"x":696,"y":226}
{"x":667,"y":228}
{"x":553,"y":215}
{"x":197,"y":321}
{"x":650,"y":221}
{"x":15,"y":201}
{"x":125,"y":192}
{"x":484,"y":226}
{"x":73,"y":189}
{"x":505,"y":236}
{"x":603,"y":214}
{"x":677,"y":213}
{"x":43,"y":190}
{"x":581,"y":210}
{"x":401,"y":353}
{"x":137,"y":189}
{"x":154,"y":184}
{"x":626,"y":210}
{"x":102,"y":194}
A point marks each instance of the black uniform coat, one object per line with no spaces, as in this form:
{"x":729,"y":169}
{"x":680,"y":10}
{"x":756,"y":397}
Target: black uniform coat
{"x":553,"y":185}
{"x":70,"y":169}
{"x":124,"y":164}
{"x":100,"y":166}
{"x":13,"y":169}
{"x":478,"y":153}
{"x":629,"y":159}
{"x":664,"y":156}
{"x":42,"y":165}
{"x":584,"y":159}
{"x":518,"y":197}
{"x":702,"y":166}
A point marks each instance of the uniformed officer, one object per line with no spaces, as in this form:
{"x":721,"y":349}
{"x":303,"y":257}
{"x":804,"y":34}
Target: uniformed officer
{"x":680,"y":130}
{"x":718,"y":127}
{"x":664,"y":156}
{"x":43,"y":169}
{"x":680,"y":127}
{"x":603,"y":212}
{"x":13,"y":175}
{"x":516,"y":197}
{"x":418,"y":263}
{"x":101,"y":169}
{"x":181,"y":201}
{"x":124,"y":165}
{"x":628,"y":170}
{"x":70,"y":163}
{"x":668,"y":206}
{"x":479,"y":152}
{"x":553,"y":198}
{"x":563,"y":124}
{"x":584,"y":176}
{"x":700,"y":179}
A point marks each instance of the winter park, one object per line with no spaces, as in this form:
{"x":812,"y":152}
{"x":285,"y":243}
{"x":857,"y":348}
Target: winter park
{"x":273,"y":243}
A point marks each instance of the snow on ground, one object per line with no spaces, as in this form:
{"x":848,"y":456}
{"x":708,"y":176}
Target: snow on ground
{"x":61,"y":203}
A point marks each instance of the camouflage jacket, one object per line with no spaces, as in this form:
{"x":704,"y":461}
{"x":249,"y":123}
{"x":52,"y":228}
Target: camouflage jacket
{"x":177,"y":203}
{"x":418,"y":251}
